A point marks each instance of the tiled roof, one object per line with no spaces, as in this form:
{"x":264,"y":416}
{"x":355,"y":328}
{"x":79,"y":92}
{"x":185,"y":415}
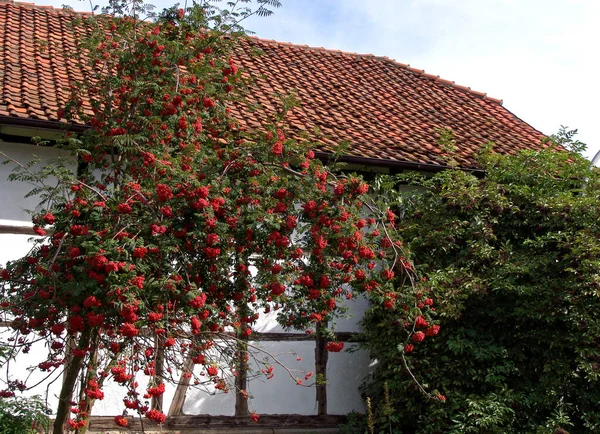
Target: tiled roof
{"x":385,"y":110}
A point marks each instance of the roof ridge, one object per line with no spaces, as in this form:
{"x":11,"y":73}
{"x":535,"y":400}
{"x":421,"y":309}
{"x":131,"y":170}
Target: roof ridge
{"x":406,"y":66}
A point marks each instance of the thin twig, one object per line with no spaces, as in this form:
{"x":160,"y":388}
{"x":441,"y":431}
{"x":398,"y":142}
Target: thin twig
{"x":413,"y":377}
{"x":95,"y":190}
{"x":60,"y":243}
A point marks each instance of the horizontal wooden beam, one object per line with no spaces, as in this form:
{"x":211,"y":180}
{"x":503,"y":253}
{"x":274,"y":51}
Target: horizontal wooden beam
{"x":16,"y":230}
{"x":203,"y":424}
{"x":276,"y":337}
{"x":270,"y":337}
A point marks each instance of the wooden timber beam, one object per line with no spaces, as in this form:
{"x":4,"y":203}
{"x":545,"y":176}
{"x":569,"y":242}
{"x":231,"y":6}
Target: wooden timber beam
{"x":281,"y":423}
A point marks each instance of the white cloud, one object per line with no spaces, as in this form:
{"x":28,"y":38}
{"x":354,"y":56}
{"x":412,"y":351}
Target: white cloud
{"x":539,"y":56}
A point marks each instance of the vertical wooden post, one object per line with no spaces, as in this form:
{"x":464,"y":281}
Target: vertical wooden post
{"x":241,"y":354}
{"x":241,"y":381}
{"x":159,"y":370}
{"x":241,"y":366}
{"x":321,"y":357}
{"x":176,"y":408}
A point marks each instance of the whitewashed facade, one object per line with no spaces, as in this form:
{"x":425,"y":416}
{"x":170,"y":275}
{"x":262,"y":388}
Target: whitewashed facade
{"x":279,"y":395}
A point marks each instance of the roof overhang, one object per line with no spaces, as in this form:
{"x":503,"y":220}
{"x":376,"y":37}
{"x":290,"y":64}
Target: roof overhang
{"x":389,"y":166}
{"x":51,"y":130}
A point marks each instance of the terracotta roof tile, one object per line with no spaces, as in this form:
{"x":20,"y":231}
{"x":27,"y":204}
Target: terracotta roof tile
{"x":386,"y":110}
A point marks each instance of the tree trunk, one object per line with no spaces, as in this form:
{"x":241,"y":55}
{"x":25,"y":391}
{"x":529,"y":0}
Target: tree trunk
{"x":321,"y":356}
{"x":72,"y":370}
{"x":91,"y":373}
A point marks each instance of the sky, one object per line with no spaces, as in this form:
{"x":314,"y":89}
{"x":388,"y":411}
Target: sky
{"x":541,"y":57}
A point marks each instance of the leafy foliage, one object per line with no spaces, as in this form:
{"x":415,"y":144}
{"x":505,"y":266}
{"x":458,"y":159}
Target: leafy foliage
{"x":23,"y":415}
{"x":180,"y":226}
{"x":512,"y":260}
{"x":20,"y":415}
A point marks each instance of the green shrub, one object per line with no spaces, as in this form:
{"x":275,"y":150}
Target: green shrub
{"x":23,"y":415}
{"x":512,"y":261}
{"x":20,"y":415}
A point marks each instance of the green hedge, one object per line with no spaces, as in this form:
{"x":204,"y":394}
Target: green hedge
{"x":512,"y":261}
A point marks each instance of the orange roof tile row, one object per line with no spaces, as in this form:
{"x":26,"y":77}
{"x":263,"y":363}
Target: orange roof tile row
{"x":386,"y":110}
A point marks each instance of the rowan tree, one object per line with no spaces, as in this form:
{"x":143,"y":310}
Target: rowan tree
{"x":180,"y":227}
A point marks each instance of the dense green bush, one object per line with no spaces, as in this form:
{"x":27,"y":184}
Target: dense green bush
{"x":23,"y":415}
{"x":512,"y":261}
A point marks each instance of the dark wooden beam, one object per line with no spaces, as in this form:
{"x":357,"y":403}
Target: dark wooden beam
{"x":16,"y":230}
{"x":270,"y":337}
{"x":276,"y":337}
{"x":159,"y":370}
{"x":176,"y":408}
{"x":203,"y":424}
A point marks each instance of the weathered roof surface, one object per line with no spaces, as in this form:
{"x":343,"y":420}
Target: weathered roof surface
{"x":384,"y":109}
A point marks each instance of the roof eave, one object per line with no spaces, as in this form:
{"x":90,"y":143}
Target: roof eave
{"x":392,"y":165}
{"x":41,"y":124}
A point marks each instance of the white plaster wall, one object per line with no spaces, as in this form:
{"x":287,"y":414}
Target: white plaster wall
{"x":24,"y":367}
{"x":281,"y":394}
{"x":13,"y":247}
{"x":278,"y":395}
{"x":13,"y":204}
{"x":202,"y":402}
{"x":214,"y":402}
{"x":112,"y":404}
{"x":350,"y":321}
{"x":345,"y":373}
